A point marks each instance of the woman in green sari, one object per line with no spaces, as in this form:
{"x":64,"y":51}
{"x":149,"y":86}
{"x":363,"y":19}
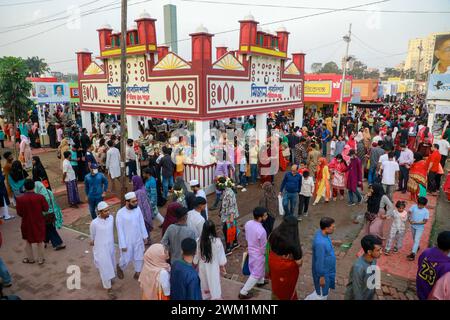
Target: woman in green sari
{"x":53,"y":217}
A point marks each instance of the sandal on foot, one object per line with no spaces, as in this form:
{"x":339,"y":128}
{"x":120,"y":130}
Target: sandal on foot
{"x":111,"y":295}
{"x":41,"y":262}
{"x":26,"y":260}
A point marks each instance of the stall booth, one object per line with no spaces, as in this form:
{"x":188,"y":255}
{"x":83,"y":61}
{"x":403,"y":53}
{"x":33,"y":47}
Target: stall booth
{"x":323,"y":91}
{"x":255,"y":79}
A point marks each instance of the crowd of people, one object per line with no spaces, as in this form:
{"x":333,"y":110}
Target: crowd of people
{"x":391,"y":148}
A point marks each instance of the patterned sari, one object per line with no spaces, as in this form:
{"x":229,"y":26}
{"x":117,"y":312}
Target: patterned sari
{"x":417,"y":178}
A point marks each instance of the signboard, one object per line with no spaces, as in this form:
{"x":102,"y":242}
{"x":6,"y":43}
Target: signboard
{"x":441,"y":58}
{"x":347,"y":88}
{"x":439,"y":87}
{"x":356,"y":95}
{"x":164,"y":94}
{"x":439,"y":80}
{"x":41,"y":119}
{"x":264,"y":89}
{"x":443,"y":109}
{"x":318,"y":88}
{"x":50,"y":92}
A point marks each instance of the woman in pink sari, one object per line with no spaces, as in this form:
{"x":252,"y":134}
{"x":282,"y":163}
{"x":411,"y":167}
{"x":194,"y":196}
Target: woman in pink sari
{"x":338,"y":170}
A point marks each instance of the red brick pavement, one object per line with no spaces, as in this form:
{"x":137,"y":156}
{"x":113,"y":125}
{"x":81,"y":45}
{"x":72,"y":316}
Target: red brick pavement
{"x":397,"y":264}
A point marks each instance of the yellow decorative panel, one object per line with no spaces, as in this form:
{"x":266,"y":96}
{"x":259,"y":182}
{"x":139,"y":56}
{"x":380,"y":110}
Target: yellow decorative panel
{"x":292,"y":69}
{"x":228,"y":62}
{"x":93,"y":69}
{"x":171,"y":62}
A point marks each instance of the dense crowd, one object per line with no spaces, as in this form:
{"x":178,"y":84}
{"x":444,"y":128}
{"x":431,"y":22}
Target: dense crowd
{"x":390,"y":147}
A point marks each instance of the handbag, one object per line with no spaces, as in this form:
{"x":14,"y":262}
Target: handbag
{"x":280,"y":205}
{"x":245,"y":268}
{"x":286,"y":152}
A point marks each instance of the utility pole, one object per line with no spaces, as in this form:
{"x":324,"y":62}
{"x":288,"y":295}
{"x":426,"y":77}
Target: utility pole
{"x":123,"y":97}
{"x":347,"y":39}
{"x":420,"y":48}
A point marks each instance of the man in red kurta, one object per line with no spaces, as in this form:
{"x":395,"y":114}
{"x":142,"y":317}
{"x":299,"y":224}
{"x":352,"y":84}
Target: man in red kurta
{"x":31,"y":207}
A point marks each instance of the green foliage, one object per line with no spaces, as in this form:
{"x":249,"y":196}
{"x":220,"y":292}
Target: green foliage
{"x":391,"y":73}
{"x":14,"y":88}
{"x":330,"y":67}
{"x":37,"y":66}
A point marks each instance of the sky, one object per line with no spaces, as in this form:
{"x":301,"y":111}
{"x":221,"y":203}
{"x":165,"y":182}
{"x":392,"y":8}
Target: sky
{"x":379,"y":39}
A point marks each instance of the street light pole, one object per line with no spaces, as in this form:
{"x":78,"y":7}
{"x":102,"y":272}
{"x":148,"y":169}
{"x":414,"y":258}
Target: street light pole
{"x":420,"y":48}
{"x":123,"y":96}
{"x":344,"y":72}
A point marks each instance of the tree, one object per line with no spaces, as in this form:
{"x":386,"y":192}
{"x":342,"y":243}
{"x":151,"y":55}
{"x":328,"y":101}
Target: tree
{"x":410,"y":74}
{"x":391,"y":73}
{"x":358,"y":71}
{"x":37,"y":66}
{"x":330,"y":67}
{"x":316,"y":67}
{"x":14,"y":89}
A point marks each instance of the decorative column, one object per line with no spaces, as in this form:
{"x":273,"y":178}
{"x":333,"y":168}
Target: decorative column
{"x":201,"y":167}
{"x":298,"y":117}
{"x":86,"y":120}
{"x":261,"y":128}
{"x":133,"y":127}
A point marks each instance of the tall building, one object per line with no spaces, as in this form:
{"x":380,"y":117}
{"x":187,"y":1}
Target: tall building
{"x":426,"y":55}
{"x":170,"y":27}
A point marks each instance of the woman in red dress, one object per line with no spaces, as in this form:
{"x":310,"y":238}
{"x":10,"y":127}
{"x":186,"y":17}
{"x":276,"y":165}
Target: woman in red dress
{"x":285,"y":259}
{"x":418,"y":174}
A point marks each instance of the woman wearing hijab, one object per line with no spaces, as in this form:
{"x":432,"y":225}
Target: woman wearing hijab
{"x":376,"y":202}
{"x":25,"y":152}
{"x":16,"y":178}
{"x":34,"y":135}
{"x":285,"y":259}
{"x":170,"y":217}
{"x":155,"y":275}
{"x":39,"y":173}
{"x":322,"y":181}
{"x":53,"y":217}
{"x":143,"y":203}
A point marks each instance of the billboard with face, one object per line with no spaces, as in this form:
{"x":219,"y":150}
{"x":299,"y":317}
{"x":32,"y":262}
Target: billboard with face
{"x":441,"y":58}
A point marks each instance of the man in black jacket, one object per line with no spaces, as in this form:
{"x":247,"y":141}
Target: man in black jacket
{"x":167,"y":169}
{"x":293,"y":139}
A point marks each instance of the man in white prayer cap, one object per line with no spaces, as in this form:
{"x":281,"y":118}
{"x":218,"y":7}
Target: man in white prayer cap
{"x":132,"y":236}
{"x":199,"y":192}
{"x":102,"y":239}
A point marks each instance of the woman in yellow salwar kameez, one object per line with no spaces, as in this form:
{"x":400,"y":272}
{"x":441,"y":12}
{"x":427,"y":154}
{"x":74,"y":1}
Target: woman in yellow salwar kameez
{"x":322,"y":181}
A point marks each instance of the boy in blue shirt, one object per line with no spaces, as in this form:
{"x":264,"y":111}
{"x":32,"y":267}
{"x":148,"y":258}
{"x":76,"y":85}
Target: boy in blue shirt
{"x":418,"y":216}
{"x":184,"y":280}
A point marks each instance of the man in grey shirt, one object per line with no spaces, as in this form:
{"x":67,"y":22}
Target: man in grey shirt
{"x":362,"y":279}
{"x":176,"y":233}
{"x":375,"y":154}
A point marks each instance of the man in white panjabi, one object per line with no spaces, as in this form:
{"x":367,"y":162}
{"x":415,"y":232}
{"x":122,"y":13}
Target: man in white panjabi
{"x":102,"y":239}
{"x":132,"y":236}
{"x":195,"y":219}
{"x":113,"y":162}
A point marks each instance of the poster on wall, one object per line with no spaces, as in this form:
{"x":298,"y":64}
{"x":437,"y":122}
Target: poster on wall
{"x":50,"y":92}
{"x":41,"y":119}
{"x":439,"y":87}
{"x":439,"y":80}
